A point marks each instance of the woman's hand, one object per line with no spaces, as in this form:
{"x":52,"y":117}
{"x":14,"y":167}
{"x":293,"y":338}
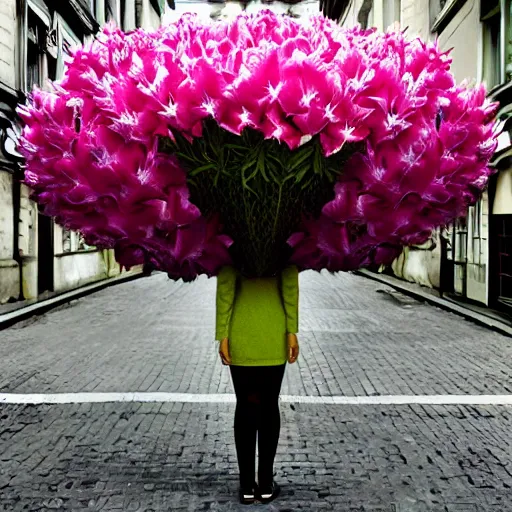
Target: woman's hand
{"x":293,"y":347}
{"x":224,"y":352}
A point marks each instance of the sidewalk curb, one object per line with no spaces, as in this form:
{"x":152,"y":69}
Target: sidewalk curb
{"x":41,"y":307}
{"x":414,"y":290}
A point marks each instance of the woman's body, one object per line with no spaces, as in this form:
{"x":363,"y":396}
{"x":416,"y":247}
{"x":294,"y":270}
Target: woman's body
{"x":257,"y":321}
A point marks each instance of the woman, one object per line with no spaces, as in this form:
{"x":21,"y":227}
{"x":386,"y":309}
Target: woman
{"x":257,"y":322}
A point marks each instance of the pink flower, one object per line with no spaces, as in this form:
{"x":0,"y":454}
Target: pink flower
{"x":91,"y":143}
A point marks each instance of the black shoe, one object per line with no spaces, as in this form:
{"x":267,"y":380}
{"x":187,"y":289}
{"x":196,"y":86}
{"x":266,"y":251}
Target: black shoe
{"x":247,"y":495}
{"x":268,"y":494}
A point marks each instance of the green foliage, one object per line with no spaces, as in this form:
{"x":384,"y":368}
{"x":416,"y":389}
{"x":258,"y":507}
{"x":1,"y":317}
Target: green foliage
{"x":259,"y":188}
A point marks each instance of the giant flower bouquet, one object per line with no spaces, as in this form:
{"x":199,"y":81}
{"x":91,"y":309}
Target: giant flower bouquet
{"x":257,"y":142}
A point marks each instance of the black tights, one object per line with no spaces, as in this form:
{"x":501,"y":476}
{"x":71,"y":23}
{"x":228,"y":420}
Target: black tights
{"x":257,"y":391}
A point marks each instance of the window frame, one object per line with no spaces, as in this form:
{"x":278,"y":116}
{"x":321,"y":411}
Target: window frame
{"x":440,"y":17}
{"x":503,"y":9}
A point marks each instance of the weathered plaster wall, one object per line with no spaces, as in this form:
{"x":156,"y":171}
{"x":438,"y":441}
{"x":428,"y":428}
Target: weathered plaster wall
{"x":420,"y":265}
{"x":463,"y":34}
{"x":7,"y":43}
{"x":74,"y":270}
{"x":6,"y":216}
{"x":149,"y":17}
{"x":9,"y":272}
{"x":28,"y":243}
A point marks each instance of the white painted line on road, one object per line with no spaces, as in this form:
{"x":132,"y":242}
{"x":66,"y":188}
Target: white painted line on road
{"x":88,"y":398}
{"x":403,"y":400}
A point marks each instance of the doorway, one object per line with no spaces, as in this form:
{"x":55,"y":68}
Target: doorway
{"x":45,"y":254}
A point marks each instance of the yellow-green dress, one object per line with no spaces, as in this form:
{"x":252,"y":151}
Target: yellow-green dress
{"x":256,"y":314}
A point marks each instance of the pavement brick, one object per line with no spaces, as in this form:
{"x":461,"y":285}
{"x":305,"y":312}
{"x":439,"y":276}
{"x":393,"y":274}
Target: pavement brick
{"x":330,"y":458}
{"x":157,"y":335}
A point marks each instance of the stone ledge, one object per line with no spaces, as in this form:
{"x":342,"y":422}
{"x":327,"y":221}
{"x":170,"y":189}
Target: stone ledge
{"x":8,"y":264}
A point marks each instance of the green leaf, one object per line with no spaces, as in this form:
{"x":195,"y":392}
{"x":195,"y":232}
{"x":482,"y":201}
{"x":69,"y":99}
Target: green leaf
{"x":299,"y":175}
{"x":216,"y":179}
{"x":247,"y":165}
{"x":307,"y":183}
{"x":247,"y":187}
{"x":239,"y":177}
{"x":299,"y":158}
{"x":245,"y":179}
{"x":201,"y":169}
{"x":261,"y":165}
{"x":289,"y":177}
{"x":317,"y":162}
{"x":235,"y":146}
{"x":273,"y":171}
{"x":188,"y":158}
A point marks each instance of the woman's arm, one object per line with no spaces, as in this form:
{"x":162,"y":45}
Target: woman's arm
{"x":226,"y":288}
{"x":290,"y":294}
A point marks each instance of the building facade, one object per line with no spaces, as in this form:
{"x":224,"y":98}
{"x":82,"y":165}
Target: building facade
{"x":37,"y":257}
{"x":472,"y":259}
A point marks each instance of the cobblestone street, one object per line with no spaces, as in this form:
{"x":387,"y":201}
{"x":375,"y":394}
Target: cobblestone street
{"x":358,"y":339}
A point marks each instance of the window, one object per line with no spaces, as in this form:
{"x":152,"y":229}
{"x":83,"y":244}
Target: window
{"x":35,"y":50}
{"x":505,"y":260}
{"x":492,"y":60}
{"x":73,"y":242}
{"x":475,"y":239}
{"x":461,"y":243}
{"x":67,"y":40}
{"x":497,"y":42}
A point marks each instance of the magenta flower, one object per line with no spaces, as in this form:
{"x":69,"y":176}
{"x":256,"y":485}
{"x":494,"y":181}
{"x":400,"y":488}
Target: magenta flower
{"x":91,"y":143}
